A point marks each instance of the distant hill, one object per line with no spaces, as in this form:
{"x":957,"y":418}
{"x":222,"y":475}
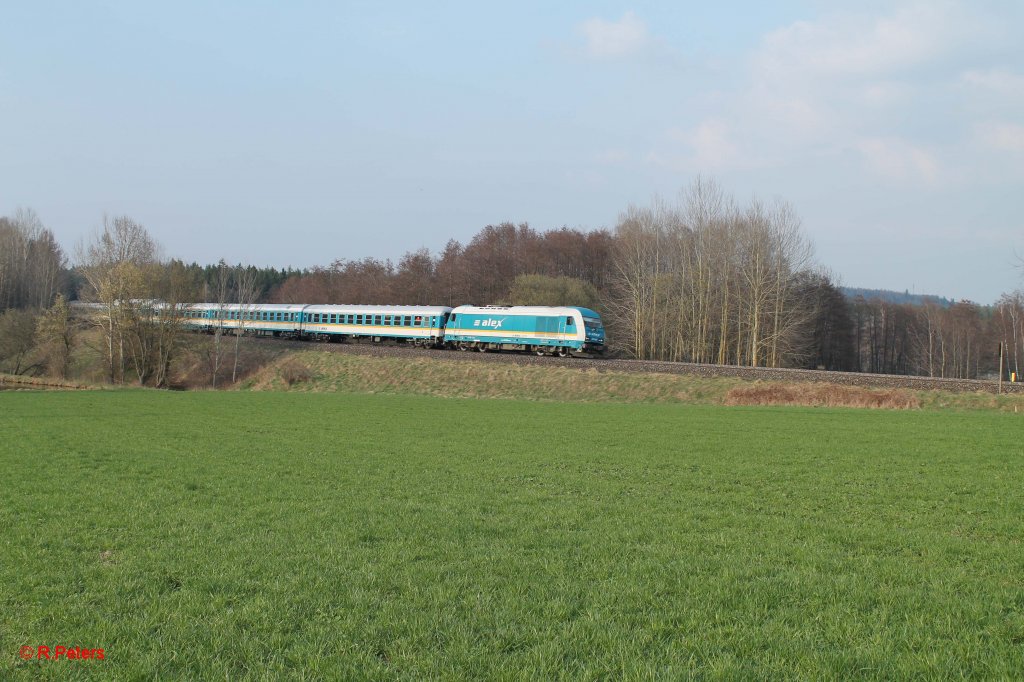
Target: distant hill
{"x":896,"y":296}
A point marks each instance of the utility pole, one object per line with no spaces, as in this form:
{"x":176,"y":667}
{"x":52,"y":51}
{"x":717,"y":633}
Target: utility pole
{"x":1001,"y":344}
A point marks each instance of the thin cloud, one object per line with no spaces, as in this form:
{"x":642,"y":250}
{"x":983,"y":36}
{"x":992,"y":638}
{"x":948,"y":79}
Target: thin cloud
{"x":605,"y":39}
{"x":866,"y":46}
{"x":899,"y":160}
{"x":856,"y":81}
{"x":1002,"y":137}
{"x":711,"y":145}
{"x":999,"y":81}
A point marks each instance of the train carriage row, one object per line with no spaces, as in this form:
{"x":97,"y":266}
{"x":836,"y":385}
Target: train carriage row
{"x":556,"y":330}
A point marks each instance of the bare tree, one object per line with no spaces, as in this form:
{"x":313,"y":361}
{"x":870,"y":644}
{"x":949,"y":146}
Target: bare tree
{"x":222,"y":293}
{"x":634,"y":276}
{"x":246,"y":291}
{"x":17,"y":341}
{"x":706,"y":282}
{"x":55,"y":332}
{"x":31,"y":262}
{"x":112,"y":264}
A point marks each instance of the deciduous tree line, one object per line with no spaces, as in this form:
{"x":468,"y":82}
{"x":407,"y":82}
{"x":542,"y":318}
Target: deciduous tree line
{"x":959,"y":341}
{"x":484,"y":271}
{"x":700,"y":279}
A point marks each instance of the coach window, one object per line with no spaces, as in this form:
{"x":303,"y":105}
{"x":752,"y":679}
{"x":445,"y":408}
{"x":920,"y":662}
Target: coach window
{"x":408,"y":320}
{"x":376,"y":320}
{"x":359,"y":319}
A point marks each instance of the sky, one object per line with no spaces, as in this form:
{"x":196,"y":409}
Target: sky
{"x":297,"y":133}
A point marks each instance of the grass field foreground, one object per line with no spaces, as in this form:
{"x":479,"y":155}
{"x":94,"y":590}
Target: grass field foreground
{"x":325,"y":536}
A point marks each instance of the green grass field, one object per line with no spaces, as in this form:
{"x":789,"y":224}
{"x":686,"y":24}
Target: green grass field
{"x":331,"y":536}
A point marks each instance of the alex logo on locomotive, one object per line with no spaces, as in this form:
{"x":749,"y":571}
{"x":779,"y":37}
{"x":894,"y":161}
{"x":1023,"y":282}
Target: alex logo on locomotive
{"x":493,"y":324}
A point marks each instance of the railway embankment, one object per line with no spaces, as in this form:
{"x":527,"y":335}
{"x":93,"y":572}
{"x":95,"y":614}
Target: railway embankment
{"x":370,"y":369}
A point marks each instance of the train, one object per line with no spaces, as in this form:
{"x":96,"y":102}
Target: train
{"x":544,"y":330}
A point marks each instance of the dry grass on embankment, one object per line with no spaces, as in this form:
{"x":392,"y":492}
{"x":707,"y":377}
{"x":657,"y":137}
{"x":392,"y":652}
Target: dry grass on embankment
{"x":20,"y":381}
{"x":822,"y":395}
{"x":314,"y":371}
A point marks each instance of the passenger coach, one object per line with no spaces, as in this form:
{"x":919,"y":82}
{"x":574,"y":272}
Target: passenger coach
{"x":263,"y":318}
{"x":420,"y":325}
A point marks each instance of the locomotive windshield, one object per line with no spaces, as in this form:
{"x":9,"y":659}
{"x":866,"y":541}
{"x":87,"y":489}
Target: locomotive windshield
{"x":592,"y":323}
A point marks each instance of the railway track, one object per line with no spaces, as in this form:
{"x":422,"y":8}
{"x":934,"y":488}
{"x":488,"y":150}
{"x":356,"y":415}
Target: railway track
{"x":664,"y":367}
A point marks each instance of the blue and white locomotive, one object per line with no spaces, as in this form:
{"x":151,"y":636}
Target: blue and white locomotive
{"x":542,"y":330}
{"x":535,"y":329}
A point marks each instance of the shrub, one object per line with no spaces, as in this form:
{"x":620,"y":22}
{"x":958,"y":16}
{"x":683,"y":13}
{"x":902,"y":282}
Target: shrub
{"x":294,"y":372}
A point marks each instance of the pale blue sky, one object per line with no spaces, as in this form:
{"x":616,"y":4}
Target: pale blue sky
{"x":297,"y":133}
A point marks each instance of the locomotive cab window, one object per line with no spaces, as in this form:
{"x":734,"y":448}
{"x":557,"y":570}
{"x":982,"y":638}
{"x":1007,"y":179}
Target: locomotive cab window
{"x":568,"y":322}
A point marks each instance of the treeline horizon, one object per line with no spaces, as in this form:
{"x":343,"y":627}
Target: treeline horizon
{"x":701,"y":279}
